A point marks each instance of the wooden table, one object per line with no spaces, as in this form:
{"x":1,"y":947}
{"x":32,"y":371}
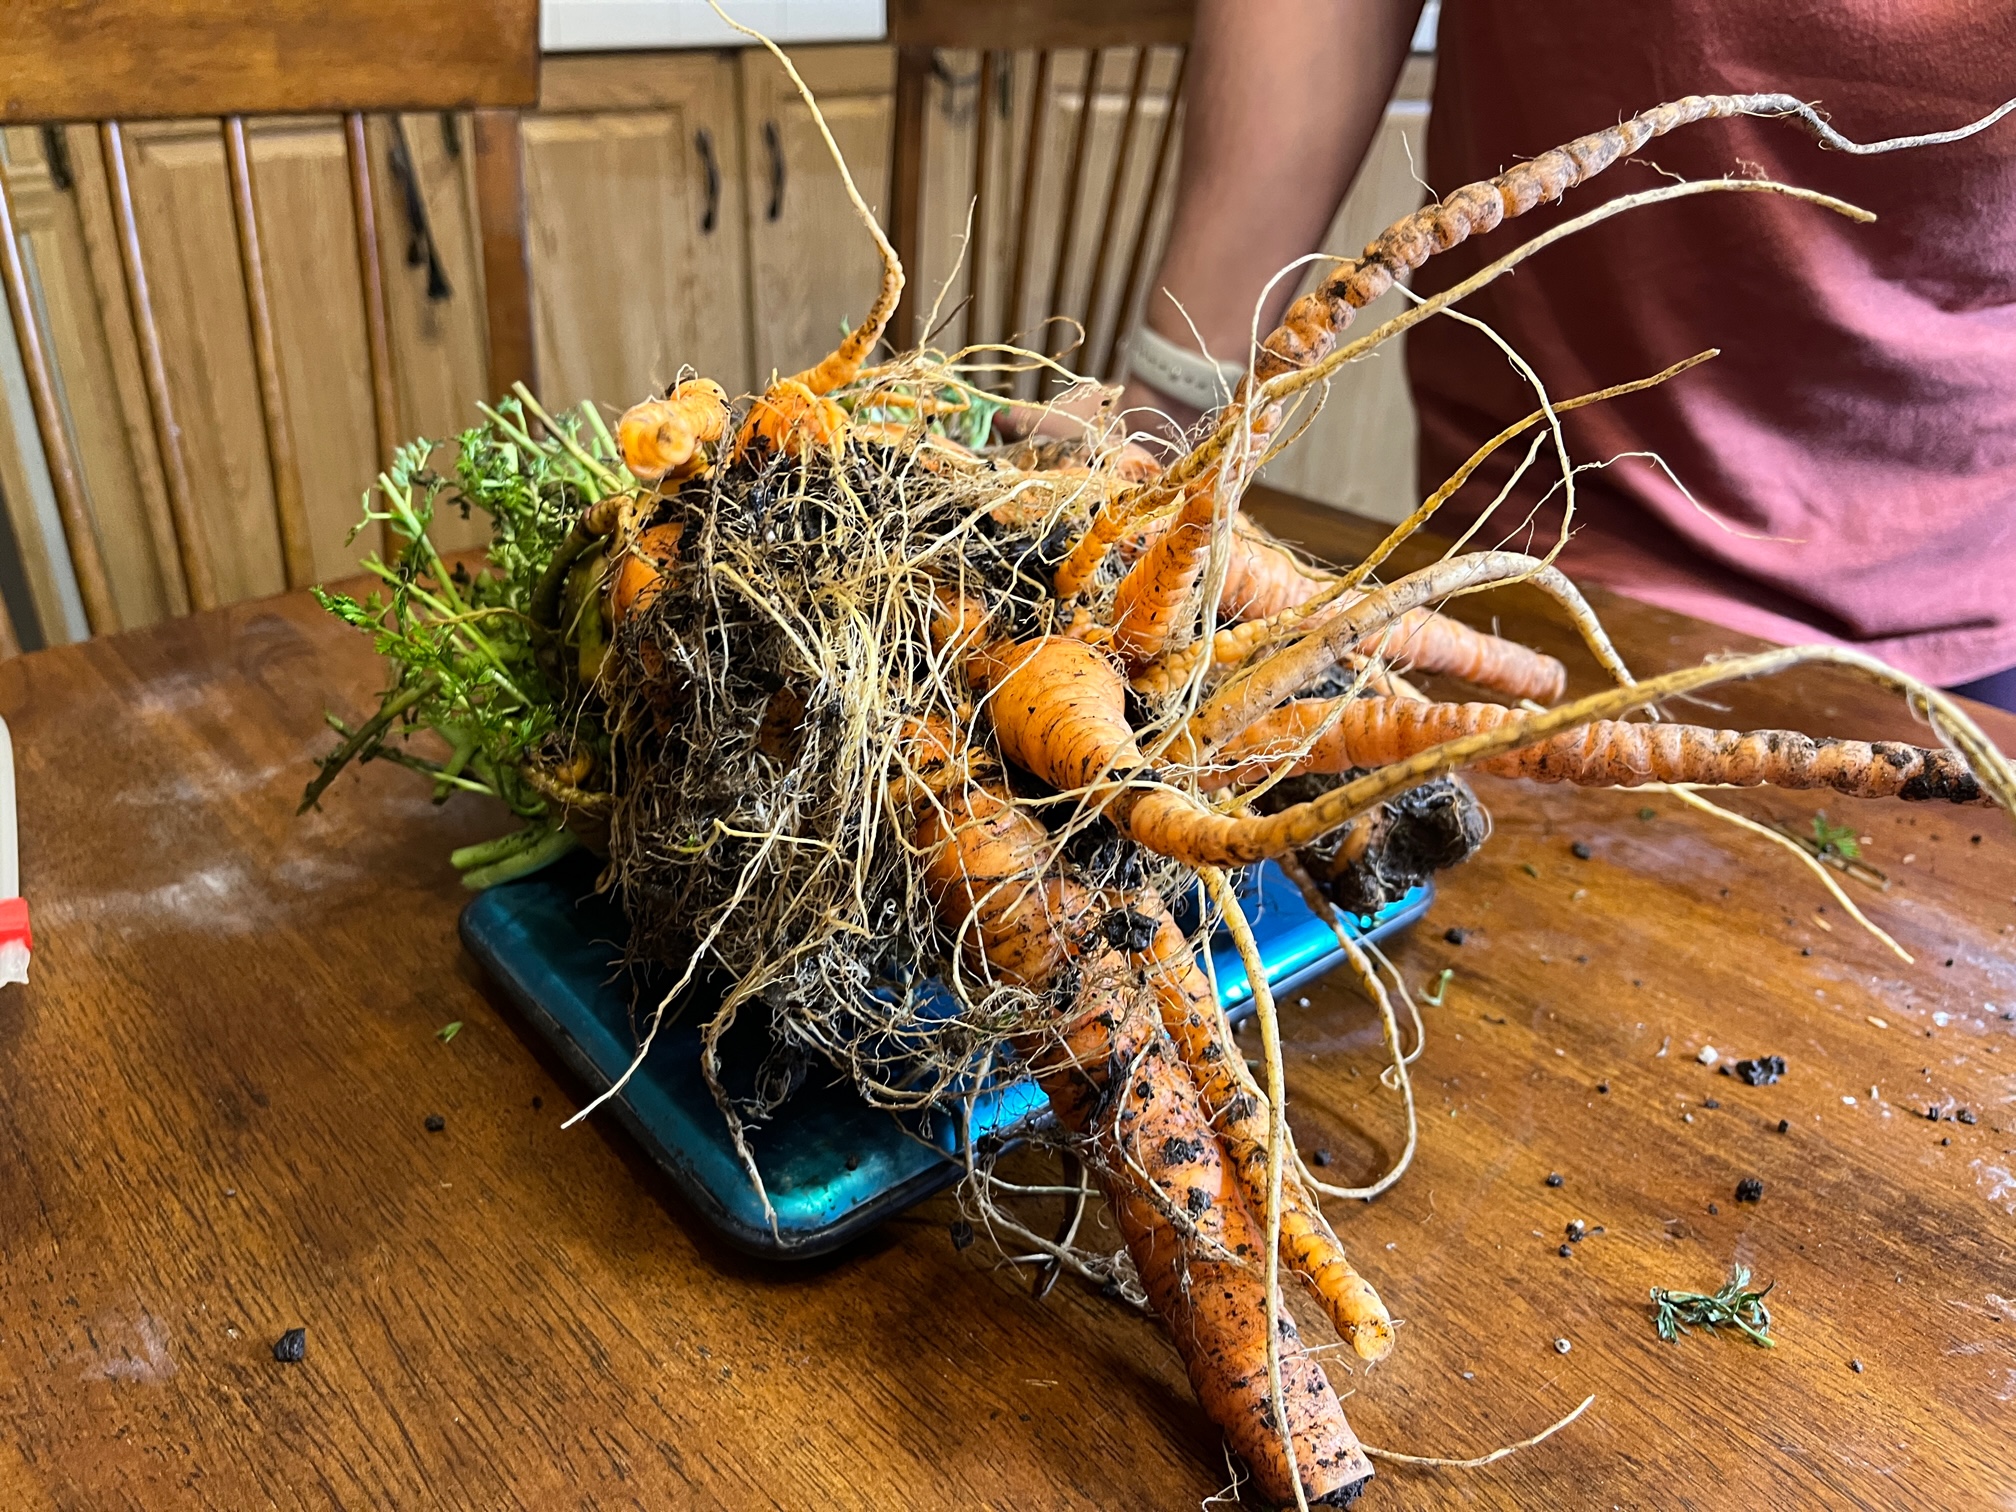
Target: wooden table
{"x":212,"y":1130}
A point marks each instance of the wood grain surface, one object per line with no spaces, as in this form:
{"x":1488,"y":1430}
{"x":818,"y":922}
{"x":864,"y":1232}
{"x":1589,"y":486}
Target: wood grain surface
{"x":88,"y":60}
{"x":212,"y":1130}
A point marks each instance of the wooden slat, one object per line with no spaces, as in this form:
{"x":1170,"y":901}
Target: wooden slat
{"x":1067,"y":235}
{"x":105,"y":59}
{"x":199,"y":586}
{"x":101,"y":613}
{"x":1130,"y":287}
{"x":906,"y":175}
{"x":1095,"y":305}
{"x":1032,"y":165}
{"x":10,"y":641}
{"x":1040,"y":24}
{"x":507,"y":271}
{"x":977,"y":258}
{"x":371,"y":276}
{"x":290,"y":513}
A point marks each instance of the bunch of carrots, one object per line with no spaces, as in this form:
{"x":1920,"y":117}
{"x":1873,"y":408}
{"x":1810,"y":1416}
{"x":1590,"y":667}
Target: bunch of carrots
{"x":1150,"y":681}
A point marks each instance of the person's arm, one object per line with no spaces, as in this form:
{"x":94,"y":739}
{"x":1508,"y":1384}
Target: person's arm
{"x":1285,"y":96}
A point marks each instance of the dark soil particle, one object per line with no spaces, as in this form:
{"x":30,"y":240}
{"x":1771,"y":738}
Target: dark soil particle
{"x":1604,"y":1088}
{"x":1553,"y":1178}
{"x":1576,"y":1229}
{"x":538,"y":1103}
{"x":292,"y":1346}
{"x":1856,"y":1366}
{"x":1784,"y":1126}
{"x":1711,"y":1102}
{"x":962,"y":1234}
{"x":1714,"y":1209}
{"x":1455,"y":936}
{"x":853,"y":1162}
{"x":1760,"y":1071}
{"x":436,"y":1123}
{"x":1321,"y":1158}
{"x":1567,"y":1252}
{"x":1749,"y":1189}
{"x":1580,"y":851}
{"x":1966,"y":1116}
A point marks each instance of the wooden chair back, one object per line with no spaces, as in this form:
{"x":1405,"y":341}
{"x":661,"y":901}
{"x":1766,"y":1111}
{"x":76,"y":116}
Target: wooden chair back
{"x":108,"y":61}
{"x":1065,"y":212}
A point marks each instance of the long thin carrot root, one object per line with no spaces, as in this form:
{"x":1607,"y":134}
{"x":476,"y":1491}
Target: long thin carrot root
{"x":1423,"y":641}
{"x":1372,"y":732}
{"x":1195,"y":1243}
{"x":1114,"y":1077}
{"x":1312,"y":323}
{"x":1238,"y":1112}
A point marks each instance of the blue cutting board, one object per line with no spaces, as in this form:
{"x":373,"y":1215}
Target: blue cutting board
{"x":833,"y":1165}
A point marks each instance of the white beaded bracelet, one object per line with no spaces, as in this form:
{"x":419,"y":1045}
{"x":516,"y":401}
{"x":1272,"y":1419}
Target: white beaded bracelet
{"x":1179,"y":372}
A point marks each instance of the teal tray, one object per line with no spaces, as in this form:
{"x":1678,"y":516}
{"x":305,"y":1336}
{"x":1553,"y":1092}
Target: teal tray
{"x":833,"y":1165}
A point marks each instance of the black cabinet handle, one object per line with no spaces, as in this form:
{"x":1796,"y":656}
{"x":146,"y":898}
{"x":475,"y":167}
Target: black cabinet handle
{"x":56,"y":155}
{"x":420,"y":247}
{"x":773,"y":139}
{"x":703,"y":143}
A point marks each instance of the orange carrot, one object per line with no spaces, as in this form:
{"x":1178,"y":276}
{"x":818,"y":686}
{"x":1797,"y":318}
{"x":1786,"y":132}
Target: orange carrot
{"x":664,"y":440}
{"x":1238,"y":1112}
{"x":793,"y":420}
{"x":1372,"y":732}
{"x":640,"y":571}
{"x":1113,"y":1076}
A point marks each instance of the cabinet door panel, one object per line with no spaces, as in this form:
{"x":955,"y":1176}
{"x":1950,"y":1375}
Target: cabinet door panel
{"x":438,"y":360}
{"x":632,"y":276}
{"x":812,"y":262}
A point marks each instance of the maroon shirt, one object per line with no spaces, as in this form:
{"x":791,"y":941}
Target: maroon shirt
{"x":1865,"y":401}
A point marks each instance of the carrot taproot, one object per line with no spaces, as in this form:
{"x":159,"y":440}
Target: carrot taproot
{"x":1311,"y":325}
{"x":793,"y":420}
{"x":664,"y":440}
{"x":1326,"y":735}
{"x":1303,"y":661}
{"x":641,"y":568}
{"x":1174,"y":824}
{"x":1422,"y":640}
{"x":1114,"y":1077}
{"x":1238,"y":1111}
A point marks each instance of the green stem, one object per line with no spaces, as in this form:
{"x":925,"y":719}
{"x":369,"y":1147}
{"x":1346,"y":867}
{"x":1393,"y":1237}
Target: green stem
{"x":442,"y":777}
{"x":549,"y":849}
{"x":594,"y":415}
{"x":558,"y":433}
{"x":488,"y":852}
{"x":395,"y":704}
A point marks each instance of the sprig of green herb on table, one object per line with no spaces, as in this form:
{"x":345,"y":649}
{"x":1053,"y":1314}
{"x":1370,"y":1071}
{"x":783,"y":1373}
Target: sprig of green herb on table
{"x":1834,"y":845}
{"x":1835,"y":839}
{"x":1734,"y":1306}
{"x":471,"y":665}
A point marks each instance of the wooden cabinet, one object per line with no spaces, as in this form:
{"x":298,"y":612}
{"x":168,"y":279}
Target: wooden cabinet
{"x":812,"y":265}
{"x":635,"y":198}
{"x":667,"y":197}
{"x":683,"y":212}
